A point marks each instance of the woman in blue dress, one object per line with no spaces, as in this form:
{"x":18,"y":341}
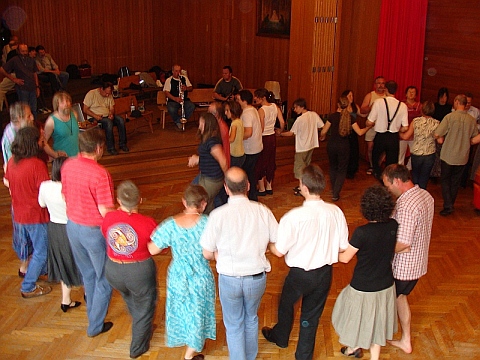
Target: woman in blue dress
{"x":190,"y":304}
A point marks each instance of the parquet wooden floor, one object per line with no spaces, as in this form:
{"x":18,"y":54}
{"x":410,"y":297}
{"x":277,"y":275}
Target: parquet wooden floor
{"x":445,"y":304}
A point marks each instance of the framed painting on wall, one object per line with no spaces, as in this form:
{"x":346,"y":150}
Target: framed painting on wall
{"x":273,"y":18}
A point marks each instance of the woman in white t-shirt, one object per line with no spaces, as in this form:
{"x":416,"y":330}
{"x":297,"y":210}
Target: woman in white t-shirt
{"x":61,"y":264}
{"x":268,"y":113}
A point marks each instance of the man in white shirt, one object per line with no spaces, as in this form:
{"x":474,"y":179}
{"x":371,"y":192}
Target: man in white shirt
{"x":310,"y":237}
{"x":305,"y":129}
{"x":389,"y":117}
{"x":237,"y":235}
{"x":252,"y":138}
{"x":472,"y":110}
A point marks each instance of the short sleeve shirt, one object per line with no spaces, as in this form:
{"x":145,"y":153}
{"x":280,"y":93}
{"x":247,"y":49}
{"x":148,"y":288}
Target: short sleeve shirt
{"x":311,"y":235}
{"x":98,"y":104}
{"x":305,"y":129}
{"x":127,"y":235}
{"x":376,"y":245}
{"x":379,"y":115}
{"x":86,"y":185}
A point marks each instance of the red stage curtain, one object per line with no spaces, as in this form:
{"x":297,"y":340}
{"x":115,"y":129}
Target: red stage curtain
{"x":401,"y":42}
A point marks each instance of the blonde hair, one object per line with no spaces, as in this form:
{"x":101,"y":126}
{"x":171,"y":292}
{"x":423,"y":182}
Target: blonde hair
{"x":60,"y":95}
{"x":345,"y":125}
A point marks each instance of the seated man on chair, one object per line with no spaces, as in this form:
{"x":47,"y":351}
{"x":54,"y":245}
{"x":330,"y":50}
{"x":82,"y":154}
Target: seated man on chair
{"x":99,"y":105}
{"x":49,"y":71}
{"x":228,"y":86}
{"x":174,"y":86}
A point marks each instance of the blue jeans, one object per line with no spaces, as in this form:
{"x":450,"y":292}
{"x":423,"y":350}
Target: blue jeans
{"x":36,"y":234}
{"x":30,"y":97}
{"x":421,"y":168}
{"x":89,"y":250}
{"x":173,"y":107}
{"x":108,"y":125}
{"x":240,"y":298}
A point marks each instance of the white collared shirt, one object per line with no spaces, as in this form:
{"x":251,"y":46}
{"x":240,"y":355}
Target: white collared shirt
{"x":312,"y":235}
{"x":240,"y":231}
{"x":378,"y":115}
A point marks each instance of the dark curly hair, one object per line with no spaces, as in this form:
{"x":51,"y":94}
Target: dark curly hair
{"x":377,"y":204}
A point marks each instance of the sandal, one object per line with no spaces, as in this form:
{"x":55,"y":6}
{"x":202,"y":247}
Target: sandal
{"x":369,"y":171}
{"x":355,"y":353}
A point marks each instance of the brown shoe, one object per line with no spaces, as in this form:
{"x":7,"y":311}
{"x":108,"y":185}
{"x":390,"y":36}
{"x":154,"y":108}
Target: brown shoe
{"x":43,"y":277}
{"x":38,"y":291}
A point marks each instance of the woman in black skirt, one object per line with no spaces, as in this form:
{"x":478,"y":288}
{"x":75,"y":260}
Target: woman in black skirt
{"x":61,"y":264}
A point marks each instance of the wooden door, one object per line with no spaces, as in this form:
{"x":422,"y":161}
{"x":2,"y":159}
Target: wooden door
{"x":313,"y":38}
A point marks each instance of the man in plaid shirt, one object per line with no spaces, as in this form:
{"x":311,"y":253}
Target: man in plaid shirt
{"x":414,"y":214}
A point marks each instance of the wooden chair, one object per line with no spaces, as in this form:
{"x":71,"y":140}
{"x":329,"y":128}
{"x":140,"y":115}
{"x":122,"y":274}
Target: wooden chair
{"x":201,"y":98}
{"x":162,"y":105}
{"x":122,"y":108}
{"x":124,"y":84}
{"x":274,"y":86}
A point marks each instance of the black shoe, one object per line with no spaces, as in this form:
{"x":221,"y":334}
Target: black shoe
{"x":356,"y":353}
{"x":134,"y":356}
{"x":297,"y":193}
{"x":113,"y":152}
{"x":446,"y":212}
{"x":106,"y":326}
{"x":267,"y":334}
{"x":124,"y":148}
{"x":72,"y":305}
{"x":261,"y":193}
{"x":269,"y":192}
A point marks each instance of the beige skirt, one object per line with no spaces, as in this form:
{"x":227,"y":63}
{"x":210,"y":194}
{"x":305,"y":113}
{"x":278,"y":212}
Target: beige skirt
{"x":365,"y":318}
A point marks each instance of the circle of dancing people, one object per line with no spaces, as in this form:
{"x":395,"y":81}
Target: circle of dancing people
{"x":74,"y":233}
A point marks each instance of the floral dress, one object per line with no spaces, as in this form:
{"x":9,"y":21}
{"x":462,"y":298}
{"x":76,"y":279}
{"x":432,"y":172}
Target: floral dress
{"x":190,"y":304}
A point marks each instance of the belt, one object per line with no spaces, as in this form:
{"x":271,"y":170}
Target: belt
{"x":258,"y":275}
{"x":126,"y":261}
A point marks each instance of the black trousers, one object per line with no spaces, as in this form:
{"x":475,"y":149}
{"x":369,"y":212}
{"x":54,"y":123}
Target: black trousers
{"x":338,"y":157}
{"x":249,"y":168}
{"x":387,"y":143}
{"x":137,"y":283}
{"x":450,"y":178}
{"x":312,"y":287}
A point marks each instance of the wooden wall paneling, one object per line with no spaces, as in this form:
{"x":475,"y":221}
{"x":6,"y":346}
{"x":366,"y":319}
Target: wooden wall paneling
{"x":202,"y":36}
{"x":359,"y":21}
{"x":324,"y":55}
{"x":301,"y":51}
{"x":452,"y":49}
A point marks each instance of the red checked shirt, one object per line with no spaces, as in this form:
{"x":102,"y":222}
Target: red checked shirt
{"x":414,"y":214}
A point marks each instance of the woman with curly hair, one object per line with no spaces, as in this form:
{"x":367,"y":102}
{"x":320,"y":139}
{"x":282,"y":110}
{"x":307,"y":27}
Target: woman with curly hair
{"x":338,"y":147}
{"x":364,"y":315}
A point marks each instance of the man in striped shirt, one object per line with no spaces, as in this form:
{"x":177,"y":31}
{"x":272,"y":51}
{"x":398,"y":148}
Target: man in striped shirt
{"x":414,"y":214}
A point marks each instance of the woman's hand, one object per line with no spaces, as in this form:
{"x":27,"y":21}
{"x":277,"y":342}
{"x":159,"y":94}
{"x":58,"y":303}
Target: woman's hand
{"x":193,"y":161}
